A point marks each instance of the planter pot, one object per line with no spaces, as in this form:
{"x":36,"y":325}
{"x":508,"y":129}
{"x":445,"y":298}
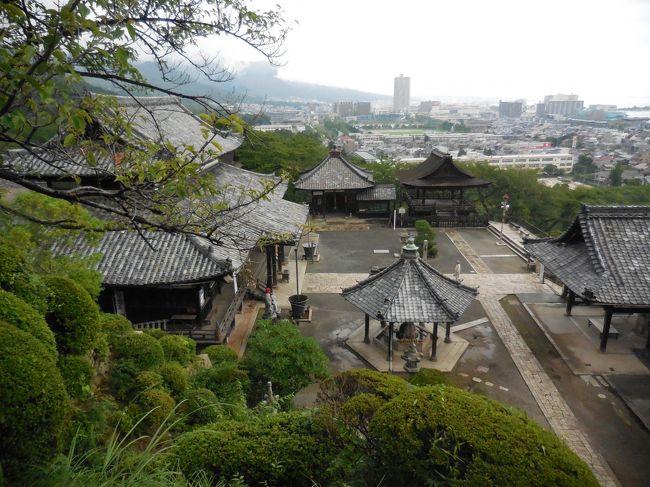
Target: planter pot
{"x":309,"y":249}
{"x":298,"y":305}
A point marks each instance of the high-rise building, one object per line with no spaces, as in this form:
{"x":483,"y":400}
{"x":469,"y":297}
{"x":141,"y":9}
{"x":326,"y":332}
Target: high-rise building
{"x":510,"y":109}
{"x":402,"y":94}
{"x":562,"y":104}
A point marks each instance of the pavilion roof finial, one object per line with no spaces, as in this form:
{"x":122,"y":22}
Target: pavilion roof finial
{"x":410,"y":250}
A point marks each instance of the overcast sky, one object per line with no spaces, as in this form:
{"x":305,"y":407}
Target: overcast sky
{"x":599,"y":49}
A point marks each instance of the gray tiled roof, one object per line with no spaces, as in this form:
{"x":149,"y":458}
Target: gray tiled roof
{"x":53,"y":162}
{"x":334,"y":173}
{"x":604,"y":256}
{"x":410,"y":290}
{"x":249,"y":220}
{"x":381,"y":192}
{"x":127,"y":260}
{"x":151,"y":119}
{"x":153,"y":116}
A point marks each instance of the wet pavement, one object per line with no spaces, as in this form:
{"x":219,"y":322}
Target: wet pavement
{"x":601,"y":421}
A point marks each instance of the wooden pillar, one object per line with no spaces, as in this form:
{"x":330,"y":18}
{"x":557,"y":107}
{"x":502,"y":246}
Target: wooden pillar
{"x":390,"y":346}
{"x":366,"y":333}
{"x":269,"y":266}
{"x":448,"y":332}
{"x":324,"y":204}
{"x":280,"y":257}
{"x":570,"y":301}
{"x":609,"y":311}
{"x":541,"y":272}
{"x":565,"y":290}
{"x":274,"y":264}
{"x":434,"y":342}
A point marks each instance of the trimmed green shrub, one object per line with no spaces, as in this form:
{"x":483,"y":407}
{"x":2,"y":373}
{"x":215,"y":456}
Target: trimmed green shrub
{"x":174,"y":378}
{"x":450,"y":436}
{"x":145,"y":381}
{"x":17,"y":276}
{"x":113,"y":323}
{"x":278,"y":450}
{"x":77,"y":373}
{"x":178,"y":348}
{"x":201,"y":407}
{"x":141,"y":349}
{"x":157,"y":333}
{"x":17,"y":312}
{"x":227,"y":381}
{"x":425,"y":232}
{"x":277,"y":352}
{"x":121,"y":378}
{"x":220,"y":353}
{"x":33,"y":402}
{"x":159,"y":405}
{"x":352,"y":382}
{"x":72,"y":315}
{"x":429,"y":377}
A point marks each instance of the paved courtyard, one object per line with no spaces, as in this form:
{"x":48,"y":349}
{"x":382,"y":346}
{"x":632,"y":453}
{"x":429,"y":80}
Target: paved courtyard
{"x":499,"y":361}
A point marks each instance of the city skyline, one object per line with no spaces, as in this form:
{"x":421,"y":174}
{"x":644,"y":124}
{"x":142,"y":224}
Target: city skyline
{"x":497,"y":50}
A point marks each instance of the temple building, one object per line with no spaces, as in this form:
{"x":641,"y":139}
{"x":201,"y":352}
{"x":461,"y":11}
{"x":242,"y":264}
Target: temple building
{"x":435,"y":190}
{"x":183,"y":284}
{"x":410,"y":299}
{"x":335,"y":185}
{"x":602,"y":259}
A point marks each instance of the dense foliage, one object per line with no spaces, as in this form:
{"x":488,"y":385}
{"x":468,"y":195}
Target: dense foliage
{"x":72,"y":315}
{"x":33,"y":402}
{"x":277,"y":352}
{"x":17,"y":312}
{"x":550,"y":209}
{"x":142,"y":350}
{"x":284,"y":449}
{"x":178,"y":348}
{"x":17,"y":276}
{"x":220,"y":353}
{"x":77,"y":373}
{"x":281,"y":152}
{"x":114,"y":324}
{"x":455,"y":436}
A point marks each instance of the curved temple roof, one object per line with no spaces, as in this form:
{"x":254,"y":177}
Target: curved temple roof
{"x":411,"y":290}
{"x":439,"y":171}
{"x":334,"y":173}
{"x":604,"y":256}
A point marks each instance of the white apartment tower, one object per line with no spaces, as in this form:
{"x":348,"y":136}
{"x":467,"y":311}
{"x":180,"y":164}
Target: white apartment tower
{"x":402,"y":94}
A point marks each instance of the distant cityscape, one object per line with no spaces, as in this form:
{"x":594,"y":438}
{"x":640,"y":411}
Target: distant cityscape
{"x":554,"y":131}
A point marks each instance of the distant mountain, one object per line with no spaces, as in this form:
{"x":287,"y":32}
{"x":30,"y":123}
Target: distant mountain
{"x":258,"y":82}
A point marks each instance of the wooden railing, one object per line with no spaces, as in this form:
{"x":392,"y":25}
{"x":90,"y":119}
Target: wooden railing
{"x":152,"y":325}
{"x":234,"y":306}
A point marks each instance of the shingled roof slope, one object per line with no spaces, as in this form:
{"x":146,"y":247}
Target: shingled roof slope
{"x":58,"y":162}
{"x":380,"y":192}
{"x":251,"y":218}
{"x":127,"y":260}
{"x":439,"y":170}
{"x":334,"y":173}
{"x":153,"y":117}
{"x":410,"y":290}
{"x":604,"y":256}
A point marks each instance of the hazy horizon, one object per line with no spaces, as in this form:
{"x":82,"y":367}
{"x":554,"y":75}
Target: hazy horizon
{"x":503,"y":49}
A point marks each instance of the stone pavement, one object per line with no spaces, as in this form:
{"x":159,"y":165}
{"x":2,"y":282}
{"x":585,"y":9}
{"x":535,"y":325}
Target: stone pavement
{"x":493,"y":287}
{"x":557,"y":412}
{"x":468,"y":252}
